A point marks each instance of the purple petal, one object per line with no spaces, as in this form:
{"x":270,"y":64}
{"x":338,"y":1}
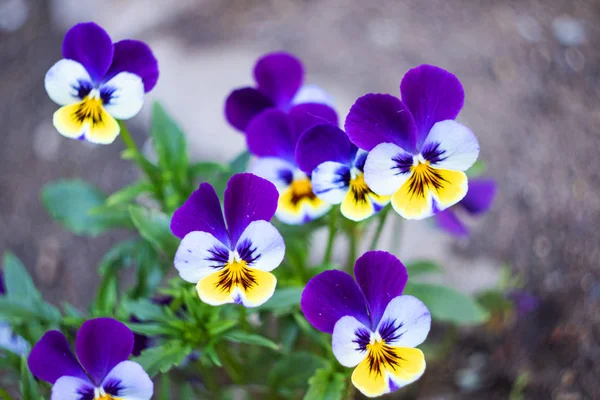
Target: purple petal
{"x":432,"y":95}
{"x":448,"y":221}
{"x":480,"y":196}
{"x":248,"y":198}
{"x":52,"y":358}
{"x":2,"y":290}
{"x":381,"y":277}
{"x":321,"y":143}
{"x":201,"y":212}
{"x":89,"y":44}
{"x":380,"y":118}
{"x":305,"y":116}
{"x":242,"y":105}
{"x":279,"y":76}
{"x":270,"y":134}
{"x":101,"y":344}
{"x":330,"y":296}
{"x":135,"y":57}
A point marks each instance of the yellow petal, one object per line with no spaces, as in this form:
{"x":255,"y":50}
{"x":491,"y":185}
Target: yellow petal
{"x":66,"y":122}
{"x":370,"y":383}
{"x":262,"y":289}
{"x":87,"y":118}
{"x":410,"y":367}
{"x":453,"y":189}
{"x":212,"y":291}
{"x":298,"y":204}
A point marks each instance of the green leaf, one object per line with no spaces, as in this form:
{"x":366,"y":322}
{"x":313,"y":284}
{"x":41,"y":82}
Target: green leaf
{"x":423,"y":267}
{"x":283,"y":299}
{"x":165,"y":387}
{"x":476,"y":169}
{"x":28,"y":385}
{"x":20,"y":288}
{"x":250,"y":338}
{"x":240,"y":163}
{"x":162,"y":358}
{"x":207,"y":171}
{"x":129,"y":193}
{"x":294,"y":370}
{"x":154,"y":226}
{"x":4,"y":395}
{"x":447,"y":304}
{"x":169,"y":142}
{"x":326,"y":384}
{"x":107,"y":296}
{"x":70,"y":202}
{"x":145,"y":310}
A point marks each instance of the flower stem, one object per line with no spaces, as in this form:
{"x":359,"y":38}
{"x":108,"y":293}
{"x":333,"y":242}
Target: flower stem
{"x":353,"y":234}
{"x":331,"y":239}
{"x":382,"y":219}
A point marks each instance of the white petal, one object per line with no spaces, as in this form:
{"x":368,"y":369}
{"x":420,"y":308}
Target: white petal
{"x":383,"y":173}
{"x":456,"y":145}
{"x":262,"y":243}
{"x":12,"y":342}
{"x":71,"y":388}
{"x":312,"y":94}
{"x":275,"y":170}
{"x":63,"y":80}
{"x":411,"y":317}
{"x":199,"y":255}
{"x":329,"y":183}
{"x":343,"y":341}
{"x":127,"y":95}
{"x":133,"y":382}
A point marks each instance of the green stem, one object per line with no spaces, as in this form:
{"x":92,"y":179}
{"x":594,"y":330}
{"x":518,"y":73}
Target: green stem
{"x":382,"y":219}
{"x":331,"y":239}
{"x":353,"y":234}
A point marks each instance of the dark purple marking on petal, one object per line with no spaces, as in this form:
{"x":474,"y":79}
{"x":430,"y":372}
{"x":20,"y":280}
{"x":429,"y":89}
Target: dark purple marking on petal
{"x":2,"y":289}
{"x":380,"y":118}
{"x":433,"y":153}
{"x":390,"y":330}
{"x":342,"y":180}
{"x":270,"y":134}
{"x":321,"y":143}
{"x":83,"y":89}
{"x":432,"y":95}
{"x":90,"y":45}
{"x":242,"y":105}
{"x":248,"y":198}
{"x":480,"y":195}
{"x":113,"y":386}
{"x":448,"y":221}
{"x":363,"y":338}
{"x":101,"y":344}
{"x":393,"y":385}
{"x":238,"y":299}
{"x":52,"y":358}
{"x":330,"y":296}
{"x":106,"y":94}
{"x":87,"y":393}
{"x":219,"y":255}
{"x":404,"y":162}
{"x":201,"y":212}
{"x":381,"y":277}
{"x":247,"y":251}
{"x":305,"y":116}
{"x":137,"y":58}
{"x":286,"y":175}
{"x":359,"y":161}
{"x":279,"y":76}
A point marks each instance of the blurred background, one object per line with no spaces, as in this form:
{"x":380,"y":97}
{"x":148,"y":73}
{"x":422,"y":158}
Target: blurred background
{"x":532,"y":80}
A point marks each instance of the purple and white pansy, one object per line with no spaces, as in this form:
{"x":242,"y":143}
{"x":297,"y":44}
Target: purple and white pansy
{"x":478,"y":200}
{"x":336,"y":168}
{"x":98,"y":82}
{"x":417,"y":151}
{"x":230,"y":264}
{"x":99,"y":370}
{"x":374,"y":327}
{"x":279,"y":77}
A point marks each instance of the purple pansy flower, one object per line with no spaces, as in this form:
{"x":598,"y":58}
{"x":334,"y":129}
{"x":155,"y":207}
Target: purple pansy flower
{"x":98,"y":81}
{"x":478,"y":200}
{"x":417,"y":152}
{"x":230,"y":264}
{"x":100,"y":371}
{"x":273,"y":136}
{"x":336,"y":168}
{"x":279,"y":79}
{"x":374,"y":327}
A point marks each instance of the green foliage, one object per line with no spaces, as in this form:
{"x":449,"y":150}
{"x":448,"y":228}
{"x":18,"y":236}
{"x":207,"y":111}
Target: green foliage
{"x":163,"y":357}
{"x":28,"y":385}
{"x":154,"y":226}
{"x":326,"y":384}
{"x":294,"y":370}
{"x":423,"y":267}
{"x":250,"y":338}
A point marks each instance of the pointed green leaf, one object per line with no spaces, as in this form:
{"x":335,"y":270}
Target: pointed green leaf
{"x":154,"y":226}
{"x":326,"y":384}
{"x":28,"y":385}
{"x":423,"y":267}
{"x":162,"y":358}
{"x":250,"y":338}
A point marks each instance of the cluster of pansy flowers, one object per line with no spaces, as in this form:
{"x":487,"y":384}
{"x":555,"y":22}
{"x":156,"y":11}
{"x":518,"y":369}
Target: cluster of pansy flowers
{"x":409,"y":151}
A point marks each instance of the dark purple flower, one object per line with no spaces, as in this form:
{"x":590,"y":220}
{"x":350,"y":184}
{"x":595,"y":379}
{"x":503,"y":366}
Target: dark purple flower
{"x":278,"y":79}
{"x":478,"y":200}
{"x":417,"y":152}
{"x":98,"y":81}
{"x":230,"y":264}
{"x":99,"y":371}
{"x":524,"y":302}
{"x":374,"y":327}
{"x":336,"y":168}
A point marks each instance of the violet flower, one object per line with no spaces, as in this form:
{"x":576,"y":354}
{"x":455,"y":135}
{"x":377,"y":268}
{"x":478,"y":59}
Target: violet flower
{"x":417,"y":152}
{"x":230,"y":264}
{"x":336,"y":168}
{"x":99,"y":371}
{"x":374,"y":327}
{"x":98,"y":81}
{"x":478,"y":200}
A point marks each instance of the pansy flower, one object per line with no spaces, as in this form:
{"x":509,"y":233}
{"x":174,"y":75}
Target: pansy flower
{"x":478,"y":200}
{"x":336,"y":167}
{"x":375,"y":328}
{"x":98,"y":371}
{"x":230,"y":264}
{"x":273,"y":136}
{"x":278,"y":79}
{"x":417,"y":152}
{"x":98,"y":82}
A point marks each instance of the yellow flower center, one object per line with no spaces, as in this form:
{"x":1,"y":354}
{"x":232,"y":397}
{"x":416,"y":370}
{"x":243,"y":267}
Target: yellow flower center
{"x":423,"y":178}
{"x":381,"y":355}
{"x":236,"y":273}
{"x":90,"y":109}
{"x":301,"y":189}
{"x":359,"y":188}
